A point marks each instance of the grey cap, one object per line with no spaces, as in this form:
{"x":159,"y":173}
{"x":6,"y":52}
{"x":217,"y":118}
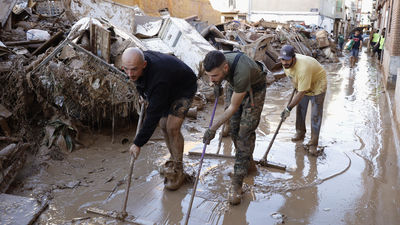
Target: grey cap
{"x":287,"y":52}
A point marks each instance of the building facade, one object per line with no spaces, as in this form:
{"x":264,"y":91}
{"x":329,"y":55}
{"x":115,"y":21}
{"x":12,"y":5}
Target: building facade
{"x":388,"y":13}
{"x":323,"y":13}
{"x":388,"y":17}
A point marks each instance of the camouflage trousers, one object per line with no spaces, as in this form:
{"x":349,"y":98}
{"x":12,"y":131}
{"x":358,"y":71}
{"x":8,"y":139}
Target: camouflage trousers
{"x":242,"y":127}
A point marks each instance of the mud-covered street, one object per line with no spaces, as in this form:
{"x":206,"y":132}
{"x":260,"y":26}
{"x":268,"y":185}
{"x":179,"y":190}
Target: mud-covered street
{"x":354,"y":181}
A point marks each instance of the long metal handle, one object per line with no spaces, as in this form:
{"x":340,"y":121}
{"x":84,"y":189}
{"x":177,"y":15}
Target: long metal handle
{"x":141,"y":115}
{"x":220,"y":138}
{"x":132,"y":162}
{"x":124,"y":213}
{"x":277,"y":130}
{"x":200,"y":165}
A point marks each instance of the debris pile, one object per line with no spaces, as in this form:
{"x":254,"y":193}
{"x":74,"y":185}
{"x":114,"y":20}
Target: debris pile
{"x":262,"y":40}
{"x":60,"y":61}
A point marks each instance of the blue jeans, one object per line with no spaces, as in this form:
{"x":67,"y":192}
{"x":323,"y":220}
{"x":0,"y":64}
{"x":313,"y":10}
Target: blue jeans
{"x":354,"y":52}
{"x":317,"y":108}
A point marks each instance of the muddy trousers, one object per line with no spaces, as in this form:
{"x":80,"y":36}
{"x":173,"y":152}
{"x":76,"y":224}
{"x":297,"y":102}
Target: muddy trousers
{"x":317,"y":107}
{"x":243,"y":125}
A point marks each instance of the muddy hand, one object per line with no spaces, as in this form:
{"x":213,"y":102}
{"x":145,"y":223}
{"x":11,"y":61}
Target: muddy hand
{"x":285,"y":114}
{"x":208,"y":136}
{"x":143,"y":101}
{"x":134,"y":150}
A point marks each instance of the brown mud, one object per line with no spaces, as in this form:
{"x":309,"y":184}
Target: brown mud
{"x":355,"y":180}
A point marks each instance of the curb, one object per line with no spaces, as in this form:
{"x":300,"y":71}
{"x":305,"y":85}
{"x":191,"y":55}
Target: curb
{"x":395,"y":129}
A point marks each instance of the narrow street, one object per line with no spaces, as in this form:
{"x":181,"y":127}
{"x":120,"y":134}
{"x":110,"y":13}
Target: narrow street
{"x":355,"y":180}
{"x":78,"y":77}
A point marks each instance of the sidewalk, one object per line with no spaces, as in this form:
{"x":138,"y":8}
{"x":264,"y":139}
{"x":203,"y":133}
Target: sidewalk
{"x":390,"y":98}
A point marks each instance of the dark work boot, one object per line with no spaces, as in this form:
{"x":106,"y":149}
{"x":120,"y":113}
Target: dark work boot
{"x":298,"y":137}
{"x":235,"y":192}
{"x":174,"y":176}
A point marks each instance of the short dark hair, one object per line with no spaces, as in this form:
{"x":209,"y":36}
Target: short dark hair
{"x":213,"y":60}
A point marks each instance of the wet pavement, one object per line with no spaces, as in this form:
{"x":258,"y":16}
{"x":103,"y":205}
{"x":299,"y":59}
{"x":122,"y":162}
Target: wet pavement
{"x":355,"y":180}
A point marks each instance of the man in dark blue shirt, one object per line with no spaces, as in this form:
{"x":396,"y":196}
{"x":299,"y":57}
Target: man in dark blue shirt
{"x":357,"y":46}
{"x":169,"y":86}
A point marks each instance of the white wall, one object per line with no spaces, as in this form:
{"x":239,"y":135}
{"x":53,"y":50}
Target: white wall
{"x":328,"y":8}
{"x":223,"y":5}
{"x":326,"y":23}
{"x":308,"y":18}
{"x":220,"y":5}
{"x":285,"y":5}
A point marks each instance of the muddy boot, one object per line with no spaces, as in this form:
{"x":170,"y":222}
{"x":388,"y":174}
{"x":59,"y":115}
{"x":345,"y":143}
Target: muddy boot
{"x":312,"y":149}
{"x":313,"y":141}
{"x":298,"y":137}
{"x":252,"y":167}
{"x":174,"y":176}
{"x":235,"y":194}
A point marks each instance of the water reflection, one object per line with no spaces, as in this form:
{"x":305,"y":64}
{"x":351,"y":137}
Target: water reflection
{"x":300,"y":205}
{"x":172,"y":200}
{"x":349,"y":89}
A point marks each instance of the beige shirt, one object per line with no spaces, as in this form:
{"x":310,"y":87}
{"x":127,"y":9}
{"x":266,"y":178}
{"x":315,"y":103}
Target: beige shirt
{"x":307,"y":75}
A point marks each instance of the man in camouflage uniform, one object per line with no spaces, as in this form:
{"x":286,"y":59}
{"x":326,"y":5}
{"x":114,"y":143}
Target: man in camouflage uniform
{"x":245,"y":94}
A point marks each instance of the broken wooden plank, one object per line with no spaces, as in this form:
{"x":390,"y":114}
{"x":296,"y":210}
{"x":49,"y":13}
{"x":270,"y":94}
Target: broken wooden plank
{"x":100,"y":41}
{"x":22,"y":43}
{"x":5,"y":10}
{"x":53,"y":41}
{"x":20,"y":210}
{"x":10,"y":139}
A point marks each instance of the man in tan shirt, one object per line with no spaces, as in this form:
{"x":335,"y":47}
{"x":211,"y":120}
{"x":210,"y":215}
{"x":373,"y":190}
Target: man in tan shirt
{"x":309,"y":79}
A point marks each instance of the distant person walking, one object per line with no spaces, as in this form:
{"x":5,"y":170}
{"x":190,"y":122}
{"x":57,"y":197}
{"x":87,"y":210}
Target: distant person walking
{"x":357,"y":46}
{"x":381,"y":44}
{"x":375,"y":39}
{"x":341,"y":41}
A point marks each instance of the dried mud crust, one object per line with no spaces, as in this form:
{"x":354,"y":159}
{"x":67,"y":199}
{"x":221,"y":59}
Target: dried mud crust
{"x":83,"y":89}
{"x":20,"y":101}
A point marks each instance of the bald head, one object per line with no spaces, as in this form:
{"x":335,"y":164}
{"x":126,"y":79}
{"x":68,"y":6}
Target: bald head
{"x":133,"y":63}
{"x":132,"y":53}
